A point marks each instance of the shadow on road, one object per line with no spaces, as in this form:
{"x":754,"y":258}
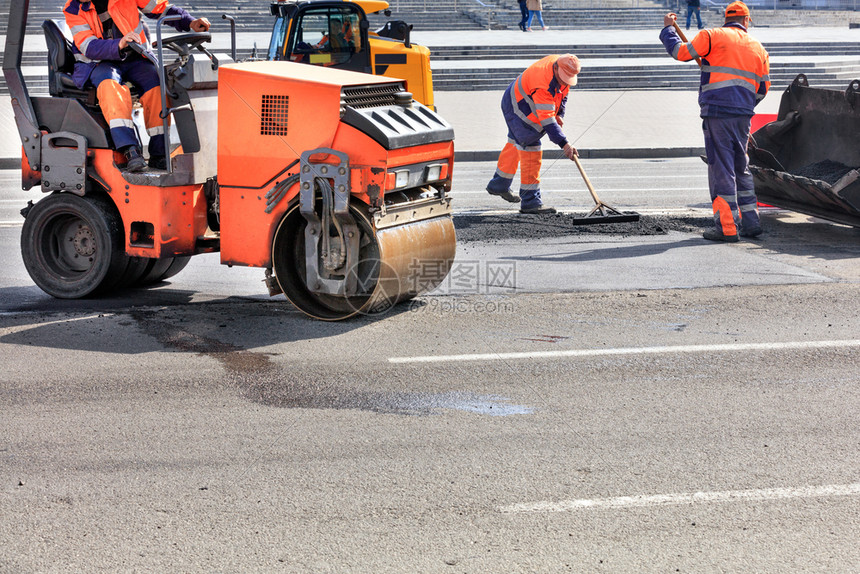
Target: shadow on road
{"x":607,"y":253}
{"x":229,"y":330}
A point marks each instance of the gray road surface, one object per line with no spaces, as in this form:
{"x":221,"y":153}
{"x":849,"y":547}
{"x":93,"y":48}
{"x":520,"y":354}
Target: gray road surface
{"x":629,"y":403}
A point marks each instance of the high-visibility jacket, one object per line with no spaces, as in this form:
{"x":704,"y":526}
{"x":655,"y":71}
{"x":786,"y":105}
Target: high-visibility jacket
{"x":534,"y":100}
{"x":735,"y":68}
{"x":90,"y":44}
{"x":339,"y":39}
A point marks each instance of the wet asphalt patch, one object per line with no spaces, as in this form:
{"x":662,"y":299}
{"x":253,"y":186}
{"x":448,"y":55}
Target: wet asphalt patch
{"x":497,"y":227}
{"x":265,"y":382}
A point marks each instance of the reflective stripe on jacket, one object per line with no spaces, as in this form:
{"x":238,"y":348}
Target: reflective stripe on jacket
{"x":91,"y":46}
{"x":735,"y":68}
{"x":537,"y":98}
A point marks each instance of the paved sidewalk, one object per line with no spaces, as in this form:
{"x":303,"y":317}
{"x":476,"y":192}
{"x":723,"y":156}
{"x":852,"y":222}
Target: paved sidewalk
{"x":659,"y":123}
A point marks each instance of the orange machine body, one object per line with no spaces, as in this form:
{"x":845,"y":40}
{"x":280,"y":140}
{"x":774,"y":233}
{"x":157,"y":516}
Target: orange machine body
{"x":269,"y":114}
{"x":157,"y":221}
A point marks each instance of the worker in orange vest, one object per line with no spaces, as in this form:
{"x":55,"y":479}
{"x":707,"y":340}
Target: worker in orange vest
{"x":103,"y":31}
{"x":735,"y":78}
{"x":340,"y":36}
{"x":533,"y":106}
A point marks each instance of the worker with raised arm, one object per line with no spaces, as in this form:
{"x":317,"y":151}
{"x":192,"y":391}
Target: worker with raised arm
{"x":735,"y":78}
{"x":103,"y":31}
{"x":533,"y":105}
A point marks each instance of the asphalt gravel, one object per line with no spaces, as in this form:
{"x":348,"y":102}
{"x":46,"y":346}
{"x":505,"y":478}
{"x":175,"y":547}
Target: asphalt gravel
{"x":498,"y":227}
{"x":828,"y":171}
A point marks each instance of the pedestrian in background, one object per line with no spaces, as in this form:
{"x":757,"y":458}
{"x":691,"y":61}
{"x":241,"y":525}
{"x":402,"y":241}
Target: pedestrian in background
{"x":693,"y":6}
{"x":524,"y":12}
{"x":533,"y":105}
{"x":734,"y":79}
{"x":535,"y":9}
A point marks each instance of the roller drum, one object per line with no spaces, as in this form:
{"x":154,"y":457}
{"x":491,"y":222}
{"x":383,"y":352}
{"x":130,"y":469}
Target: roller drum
{"x":394,"y":263}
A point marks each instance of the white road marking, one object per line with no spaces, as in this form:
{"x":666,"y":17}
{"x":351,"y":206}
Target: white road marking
{"x":687,"y":211}
{"x":17,"y":328}
{"x":456,"y":193}
{"x":629,"y":351}
{"x":642,"y":500}
{"x":598,"y":177}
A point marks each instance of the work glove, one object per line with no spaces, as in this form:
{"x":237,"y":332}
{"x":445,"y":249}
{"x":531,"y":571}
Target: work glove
{"x":570,"y":151}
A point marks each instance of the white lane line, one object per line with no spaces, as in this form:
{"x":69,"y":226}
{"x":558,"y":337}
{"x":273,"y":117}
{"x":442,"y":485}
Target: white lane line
{"x":457,"y":193}
{"x":629,"y":351}
{"x":597,"y":177}
{"x":642,"y":500}
{"x":17,"y":328}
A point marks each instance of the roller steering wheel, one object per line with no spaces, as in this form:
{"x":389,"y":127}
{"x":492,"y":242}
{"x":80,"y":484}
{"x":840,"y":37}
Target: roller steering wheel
{"x":183,"y":44}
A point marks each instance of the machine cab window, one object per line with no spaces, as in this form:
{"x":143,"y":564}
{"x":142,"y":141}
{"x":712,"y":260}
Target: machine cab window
{"x":327,"y":37}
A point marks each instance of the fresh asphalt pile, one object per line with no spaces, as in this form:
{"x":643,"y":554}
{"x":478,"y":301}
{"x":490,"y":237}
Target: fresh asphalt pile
{"x":828,"y":171}
{"x":496,"y":227}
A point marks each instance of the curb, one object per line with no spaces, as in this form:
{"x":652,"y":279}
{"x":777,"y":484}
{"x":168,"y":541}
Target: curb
{"x":493,"y":155}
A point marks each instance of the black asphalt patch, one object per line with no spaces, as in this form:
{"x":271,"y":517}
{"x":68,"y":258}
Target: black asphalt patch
{"x":496,"y":227}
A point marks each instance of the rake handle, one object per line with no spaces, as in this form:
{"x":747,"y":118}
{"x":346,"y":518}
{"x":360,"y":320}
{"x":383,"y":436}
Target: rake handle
{"x":684,"y":39}
{"x":587,"y":181}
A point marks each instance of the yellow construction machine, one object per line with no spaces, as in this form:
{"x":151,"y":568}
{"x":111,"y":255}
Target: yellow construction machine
{"x":336,"y":33}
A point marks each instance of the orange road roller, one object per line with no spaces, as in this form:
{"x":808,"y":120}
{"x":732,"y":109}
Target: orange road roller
{"x":335,"y":182}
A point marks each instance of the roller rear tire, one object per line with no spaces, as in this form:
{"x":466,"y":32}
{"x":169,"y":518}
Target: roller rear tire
{"x":179,"y":263}
{"x":73,"y":246}
{"x":158,"y":270}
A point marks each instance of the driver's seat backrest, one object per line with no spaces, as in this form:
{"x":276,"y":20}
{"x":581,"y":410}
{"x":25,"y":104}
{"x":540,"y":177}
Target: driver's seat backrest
{"x":61,"y":63}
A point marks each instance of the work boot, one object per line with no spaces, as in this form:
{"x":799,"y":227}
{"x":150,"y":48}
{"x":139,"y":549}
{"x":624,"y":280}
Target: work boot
{"x":717,"y":235}
{"x":134,"y":161}
{"x":506,"y":195}
{"x":537,"y":210}
{"x":752,"y":232}
{"x":158,"y":162}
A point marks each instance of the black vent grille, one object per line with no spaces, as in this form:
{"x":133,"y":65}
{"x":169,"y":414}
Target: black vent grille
{"x":273,"y":115}
{"x":370,"y":96}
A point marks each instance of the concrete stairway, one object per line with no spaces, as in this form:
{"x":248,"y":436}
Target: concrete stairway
{"x":651,"y":77}
{"x":649,"y":17}
{"x":253,"y":15}
{"x":645,"y":66}
{"x":626,"y":51}
{"x":638,"y":67}
{"x":608,"y":67}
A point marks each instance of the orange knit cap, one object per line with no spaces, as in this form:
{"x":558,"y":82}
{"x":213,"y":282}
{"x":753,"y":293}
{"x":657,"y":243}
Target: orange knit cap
{"x":568,"y":68}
